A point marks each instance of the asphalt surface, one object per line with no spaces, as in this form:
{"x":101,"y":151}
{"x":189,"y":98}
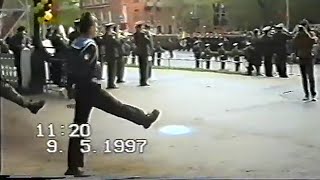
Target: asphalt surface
{"x":223,"y":126}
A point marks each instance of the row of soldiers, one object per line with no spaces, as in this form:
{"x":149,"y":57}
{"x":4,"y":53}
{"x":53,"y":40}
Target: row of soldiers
{"x":271,"y":43}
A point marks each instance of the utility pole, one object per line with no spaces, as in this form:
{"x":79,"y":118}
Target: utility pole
{"x":288,"y":13}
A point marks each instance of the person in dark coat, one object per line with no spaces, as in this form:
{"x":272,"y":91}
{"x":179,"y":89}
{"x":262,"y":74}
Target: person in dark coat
{"x":280,"y":45}
{"x":304,"y":42}
{"x":119,"y":59}
{"x":147,"y":30}
{"x":268,"y":50}
{"x":112,"y":54}
{"x":17,"y":43}
{"x":142,"y":43}
{"x":89,"y":95}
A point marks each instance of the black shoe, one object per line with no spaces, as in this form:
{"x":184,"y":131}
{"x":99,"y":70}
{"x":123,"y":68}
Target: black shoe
{"x":34,"y":107}
{"x":306,"y":98}
{"x":113,"y":87}
{"x":76,"y":172}
{"x":144,"y":84}
{"x":122,"y":81}
{"x":286,"y":76}
{"x":314,"y":99}
{"x":151,"y":118}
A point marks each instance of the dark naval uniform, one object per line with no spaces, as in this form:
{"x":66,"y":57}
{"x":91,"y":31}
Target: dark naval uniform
{"x":268,"y":50}
{"x":280,"y":44}
{"x":112,"y":55}
{"x":207,"y":55}
{"x":223,"y":56}
{"x":236,"y":53}
{"x":142,"y":43}
{"x":197,"y":50}
{"x":251,"y":57}
{"x":88,"y":95}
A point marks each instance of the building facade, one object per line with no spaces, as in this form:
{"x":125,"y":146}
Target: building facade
{"x":127,"y":12}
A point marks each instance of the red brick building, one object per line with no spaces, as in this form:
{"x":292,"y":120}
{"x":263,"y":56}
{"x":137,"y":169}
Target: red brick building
{"x":131,"y":11}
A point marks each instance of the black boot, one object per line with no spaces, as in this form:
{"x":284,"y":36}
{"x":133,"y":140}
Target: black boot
{"x":151,"y":118}
{"x":34,"y":107}
{"x":76,"y":172}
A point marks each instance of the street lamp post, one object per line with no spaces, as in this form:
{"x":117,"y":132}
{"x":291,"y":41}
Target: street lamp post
{"x":288,"y":13}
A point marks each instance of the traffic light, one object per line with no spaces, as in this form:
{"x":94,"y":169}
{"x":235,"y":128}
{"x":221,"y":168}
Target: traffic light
{"x":43,"y":10}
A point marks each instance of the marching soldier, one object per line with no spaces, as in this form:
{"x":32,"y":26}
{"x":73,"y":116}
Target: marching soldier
{"x":280,"y":44}
{"x":89,"y":95}
{"x":267,"y":53}
{"x":142,"y":43}
{"x":112,"y":54}
{"x":223,"y":55}
{"x":207,"y":54}
{"x":236,"y":53}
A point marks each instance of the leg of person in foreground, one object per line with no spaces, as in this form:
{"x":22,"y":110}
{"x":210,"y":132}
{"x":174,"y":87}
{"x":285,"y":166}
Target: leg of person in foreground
{"x":9,"y":93}
{"x":89,"y":96}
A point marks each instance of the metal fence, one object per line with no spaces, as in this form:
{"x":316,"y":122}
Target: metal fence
{"x":8,"y":69}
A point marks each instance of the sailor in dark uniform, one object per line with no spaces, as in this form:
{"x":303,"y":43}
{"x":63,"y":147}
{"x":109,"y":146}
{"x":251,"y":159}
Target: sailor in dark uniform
{"x":142,"y":43}
{"x":280,"y":44}
{"x":111,"y":54}
{"x":119,"y":59}
{"x":250,"y":55}
{"x":236,"y":53}
{"x":223,"y":55}
{"x":267,"y":53}
{"x":207,"y":55}
{"x":89,"y":94}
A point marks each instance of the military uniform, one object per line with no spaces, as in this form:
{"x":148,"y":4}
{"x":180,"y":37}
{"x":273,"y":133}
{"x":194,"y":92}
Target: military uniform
{"x":142,"y":43}
{"x":88,"y":95}
{"x":251,"y":57}
{"x":158,"y":52}
{"x":267,"y":53}
{"x":207,"y":55}
{"x":197,"y":50}
{"x":236,"y":56}
{"x":280,"y":44}
{"x":112,"y":54}
{"x":223,"y":56}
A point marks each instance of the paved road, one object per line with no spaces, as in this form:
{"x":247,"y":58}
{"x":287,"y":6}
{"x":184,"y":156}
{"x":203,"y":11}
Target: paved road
{"x":238,"y":127}
{"x":183,"y":59}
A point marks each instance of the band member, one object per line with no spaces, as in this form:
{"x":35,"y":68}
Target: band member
{"x":304,"y":41}
{"x":119,"y":59}
{"x":236,"y":53}
{"x":142,"y":43}
{"x":89,"y":93}
{"x":9,"y":93}
{"x":250,"y":56}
